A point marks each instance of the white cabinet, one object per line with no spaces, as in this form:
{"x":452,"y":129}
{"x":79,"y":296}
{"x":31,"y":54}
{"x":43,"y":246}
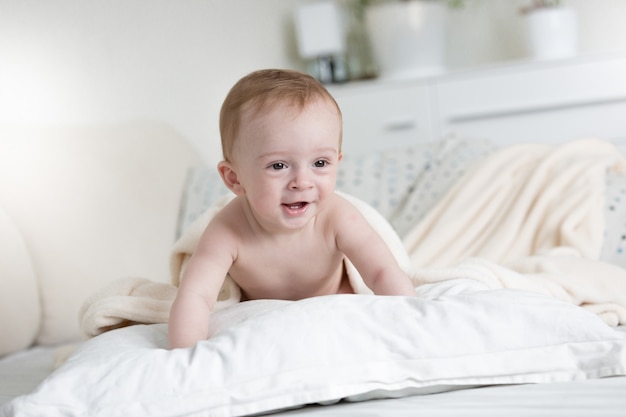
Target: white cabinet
{"x":548,"y":102}
{"x":381,"y":115}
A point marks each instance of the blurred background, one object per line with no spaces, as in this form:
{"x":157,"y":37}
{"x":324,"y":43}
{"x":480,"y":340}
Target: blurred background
{"x":95,"y":61}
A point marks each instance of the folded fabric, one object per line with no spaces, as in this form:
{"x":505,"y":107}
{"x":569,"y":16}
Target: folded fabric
{"x":125,"y":302}
{"x":596,"y":286}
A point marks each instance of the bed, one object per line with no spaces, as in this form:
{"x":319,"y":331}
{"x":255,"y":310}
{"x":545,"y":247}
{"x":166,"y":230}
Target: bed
{"x":521,"y":308}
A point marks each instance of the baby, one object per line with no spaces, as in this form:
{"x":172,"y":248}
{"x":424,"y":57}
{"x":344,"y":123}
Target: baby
{"x":286,"y":233}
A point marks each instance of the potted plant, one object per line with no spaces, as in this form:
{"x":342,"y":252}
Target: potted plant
{"x":408,"y":37}
{"x":551,"y":29}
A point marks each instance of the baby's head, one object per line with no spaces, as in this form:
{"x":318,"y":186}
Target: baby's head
{"x":265,"y":89}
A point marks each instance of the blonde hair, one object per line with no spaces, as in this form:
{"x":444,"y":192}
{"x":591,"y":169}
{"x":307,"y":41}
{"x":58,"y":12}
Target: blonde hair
{"x":262,"y":88}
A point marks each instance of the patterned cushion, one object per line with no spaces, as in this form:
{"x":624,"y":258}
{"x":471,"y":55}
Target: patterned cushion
{"x":614,"y":249}
{"x":404,"y":183}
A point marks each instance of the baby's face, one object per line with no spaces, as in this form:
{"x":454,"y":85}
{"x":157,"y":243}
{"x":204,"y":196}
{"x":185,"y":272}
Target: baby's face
{"x":286,"y":161}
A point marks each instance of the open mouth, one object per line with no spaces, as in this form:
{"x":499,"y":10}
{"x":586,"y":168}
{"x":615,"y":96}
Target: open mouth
{"x":296,"y":208}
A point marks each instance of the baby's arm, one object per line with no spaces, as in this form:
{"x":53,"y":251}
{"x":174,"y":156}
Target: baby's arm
{"x":199,"y":287}
{"x":369,"y":253}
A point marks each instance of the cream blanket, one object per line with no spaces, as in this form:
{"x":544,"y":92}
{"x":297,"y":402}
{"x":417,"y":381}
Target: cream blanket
{"x":529,"y":217}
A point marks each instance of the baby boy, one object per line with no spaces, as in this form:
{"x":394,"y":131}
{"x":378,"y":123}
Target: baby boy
{"x":286,"y":233}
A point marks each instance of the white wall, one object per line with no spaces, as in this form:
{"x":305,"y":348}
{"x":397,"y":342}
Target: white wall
{"x":93,"y":61}
{"x":488,"y":31}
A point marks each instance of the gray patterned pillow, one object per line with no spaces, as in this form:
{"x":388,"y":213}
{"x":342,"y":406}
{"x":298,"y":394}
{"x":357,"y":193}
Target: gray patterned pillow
{"x":614,"y":249}
{"x":202,"y":189}
{"x":404,"y":183}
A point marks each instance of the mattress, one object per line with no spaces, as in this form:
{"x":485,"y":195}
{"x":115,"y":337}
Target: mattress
{"x":598,"y":398}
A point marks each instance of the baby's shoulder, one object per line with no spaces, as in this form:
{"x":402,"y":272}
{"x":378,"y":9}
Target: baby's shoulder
{"x":342,"y":209}
{"x":343,"y":201}
{"x":230,"y":217}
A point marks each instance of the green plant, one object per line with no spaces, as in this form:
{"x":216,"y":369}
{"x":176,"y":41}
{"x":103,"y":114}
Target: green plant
{"x":540,"y":4}
{"x":451,"y":3}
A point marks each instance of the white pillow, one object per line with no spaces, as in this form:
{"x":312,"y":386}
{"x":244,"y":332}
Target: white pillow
{"x":270,"y":355}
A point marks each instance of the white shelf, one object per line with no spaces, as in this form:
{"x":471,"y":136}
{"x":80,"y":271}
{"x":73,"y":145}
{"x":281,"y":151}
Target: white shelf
{"x":547,"y":101}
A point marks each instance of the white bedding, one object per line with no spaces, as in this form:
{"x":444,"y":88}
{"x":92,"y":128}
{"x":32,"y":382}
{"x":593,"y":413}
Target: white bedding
{"x":275,"y":355}
{"x":271,"y":355}
{"x":590,"y":398}
{"x":21,"y":372}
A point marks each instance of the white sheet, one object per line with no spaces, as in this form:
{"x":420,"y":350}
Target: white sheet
{"x":270,"y":355}
{"x":21,"y":372}
{"x":592,"y":398}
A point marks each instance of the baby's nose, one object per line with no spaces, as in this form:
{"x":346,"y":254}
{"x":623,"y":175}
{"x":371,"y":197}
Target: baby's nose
{"x":301,"y":180}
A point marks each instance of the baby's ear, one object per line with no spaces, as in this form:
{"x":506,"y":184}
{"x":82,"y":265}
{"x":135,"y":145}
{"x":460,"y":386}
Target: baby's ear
{"x":230,"y":177}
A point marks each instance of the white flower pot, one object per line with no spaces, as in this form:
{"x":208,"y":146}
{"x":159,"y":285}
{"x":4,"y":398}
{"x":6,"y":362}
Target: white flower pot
{"x":552,"y":33}
{"x":408,"y":38}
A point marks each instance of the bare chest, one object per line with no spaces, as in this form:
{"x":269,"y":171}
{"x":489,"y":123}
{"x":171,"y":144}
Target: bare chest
{"x":288,"y":270}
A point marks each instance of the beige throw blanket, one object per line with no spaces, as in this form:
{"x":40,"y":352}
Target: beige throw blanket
{"x":520,"y":201}
{"x":529,"y":217}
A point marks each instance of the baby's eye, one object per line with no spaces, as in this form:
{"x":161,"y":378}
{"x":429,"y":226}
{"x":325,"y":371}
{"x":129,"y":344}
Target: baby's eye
{"x":278,"y":165}
{"x":320,"y":164}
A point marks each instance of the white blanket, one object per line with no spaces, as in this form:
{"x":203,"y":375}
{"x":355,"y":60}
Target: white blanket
{"x":529,"y":217}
